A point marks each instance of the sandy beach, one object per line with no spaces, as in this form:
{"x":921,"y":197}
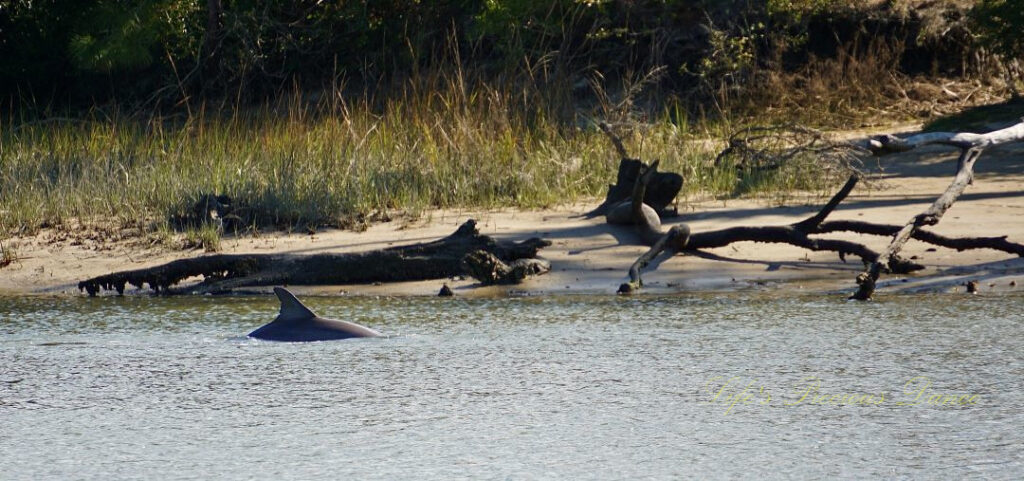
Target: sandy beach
{"x":591,"y":257}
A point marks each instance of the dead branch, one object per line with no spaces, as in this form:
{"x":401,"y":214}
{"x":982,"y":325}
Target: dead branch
{"x":764,"y":148}
{"x":430,"y":260}
{"x":680,"y":237}
{"x":616,"y":141}
{"x":888,"y":144}
{"x":971,"y":147}
{"x":958,"y":243}
{"x":797,"y":234}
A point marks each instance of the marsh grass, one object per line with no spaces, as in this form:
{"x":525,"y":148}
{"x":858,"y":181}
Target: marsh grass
{"x":7,"y":255}
{"x":303,"y":163}
{"x":205,"y":237}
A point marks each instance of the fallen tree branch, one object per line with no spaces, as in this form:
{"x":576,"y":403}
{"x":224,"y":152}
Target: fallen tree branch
{"x":681,"y":238}
{"x":971,"y":147}
{"x":431,"y":260}
{"x":958,"y":243}
{"x":762,"y":148}
{"x":889,"y":144}
{"x":797,"y":234}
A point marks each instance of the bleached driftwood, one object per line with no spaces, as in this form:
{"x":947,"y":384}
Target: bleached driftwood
{"x":971,"y":147}
{"x":679,"y":238}
{"x":888,"y":144}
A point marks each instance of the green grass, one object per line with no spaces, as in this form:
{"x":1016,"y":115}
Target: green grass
{"x":7,"y":255}
{"x":205,"y":237}
{"x":303,"y":164}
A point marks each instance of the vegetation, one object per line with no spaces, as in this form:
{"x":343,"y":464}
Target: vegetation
{"x":7,"y":255}
{"x":289,"y":166}
{"x":984,"y":118}
{"x":1000,"y":23}
{"x":205,"y":237}
{"x":165,"y":53}
{"x":324,"y":113}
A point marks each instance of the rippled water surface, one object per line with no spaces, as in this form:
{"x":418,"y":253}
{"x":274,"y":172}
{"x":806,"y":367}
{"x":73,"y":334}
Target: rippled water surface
{"x":710,"y":387}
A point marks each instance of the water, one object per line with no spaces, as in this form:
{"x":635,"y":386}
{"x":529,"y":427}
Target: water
{"x":527,"y":388}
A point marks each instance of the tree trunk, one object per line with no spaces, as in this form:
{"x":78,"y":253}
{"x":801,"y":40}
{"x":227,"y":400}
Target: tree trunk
{"x":432,"y":260}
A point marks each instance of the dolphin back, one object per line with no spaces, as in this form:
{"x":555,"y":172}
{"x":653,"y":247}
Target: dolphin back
{"x":297,"y":323}
{"x":291,"y":307}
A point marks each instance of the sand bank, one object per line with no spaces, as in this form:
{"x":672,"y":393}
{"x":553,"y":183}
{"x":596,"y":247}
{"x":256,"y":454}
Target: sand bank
{"x":592,"y":257}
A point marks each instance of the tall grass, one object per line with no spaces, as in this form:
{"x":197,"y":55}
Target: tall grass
{"x":300,"y":162}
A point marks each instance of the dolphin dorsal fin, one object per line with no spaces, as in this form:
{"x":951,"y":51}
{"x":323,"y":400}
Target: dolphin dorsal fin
{"x":291,"y":307}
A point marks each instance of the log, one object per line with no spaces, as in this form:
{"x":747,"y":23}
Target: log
{"x":648,"y":225}
{"x":795,"y":234}
{"x":971,"y":146}
{"x":799,"y":233}
{"x":660,"y":190}
{"x":221,"y":273}
{"x":888,"y":144}
{"x":681,"y":239}
{"x":489,"y":269}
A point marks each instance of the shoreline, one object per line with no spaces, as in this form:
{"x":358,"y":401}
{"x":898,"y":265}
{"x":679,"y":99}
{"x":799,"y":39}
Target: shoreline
{"x":589,"y":256}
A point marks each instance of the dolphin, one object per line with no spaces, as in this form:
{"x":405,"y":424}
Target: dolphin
{"x":296,"y":323}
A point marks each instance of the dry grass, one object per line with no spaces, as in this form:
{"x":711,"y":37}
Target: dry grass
{"x":862,"y":87}
{"x":302,"y":164}
{"x":7,"y":255}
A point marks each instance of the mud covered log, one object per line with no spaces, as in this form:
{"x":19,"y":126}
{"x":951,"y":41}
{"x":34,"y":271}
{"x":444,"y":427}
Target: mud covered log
{"x":489,"y":269}
{"x":431,"y":260}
